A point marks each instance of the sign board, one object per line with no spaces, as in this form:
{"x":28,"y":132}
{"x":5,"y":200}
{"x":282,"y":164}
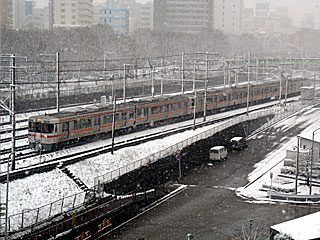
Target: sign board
{"x":178,"y":152}
{"x":178,"y":157}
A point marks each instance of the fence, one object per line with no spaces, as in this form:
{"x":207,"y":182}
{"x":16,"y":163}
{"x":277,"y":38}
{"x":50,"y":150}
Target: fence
{"x":279,"y":114}
{"x":81,"y":219}
{"x":34,"y":216}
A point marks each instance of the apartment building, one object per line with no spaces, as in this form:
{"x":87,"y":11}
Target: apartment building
{"x":71,"y":13}
{"x":116,"y":14}
{"x":227,"y":15}
{"x":4,"y":17}
{"x":188,"y":16}
{"x":196,"y":16}
{"x":141,"y":16}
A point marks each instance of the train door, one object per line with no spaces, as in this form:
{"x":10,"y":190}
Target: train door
{"x":97,"y":123}
{"x":65,"y":130}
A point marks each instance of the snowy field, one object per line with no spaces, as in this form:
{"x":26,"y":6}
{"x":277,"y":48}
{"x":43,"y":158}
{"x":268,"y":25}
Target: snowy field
{"x":260,"y":178}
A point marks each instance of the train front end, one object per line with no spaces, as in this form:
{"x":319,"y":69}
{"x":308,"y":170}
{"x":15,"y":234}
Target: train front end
{"x":42,"y":133}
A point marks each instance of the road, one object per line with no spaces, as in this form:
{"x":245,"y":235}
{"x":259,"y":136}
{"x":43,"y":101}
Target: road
{"x":209,"y":207}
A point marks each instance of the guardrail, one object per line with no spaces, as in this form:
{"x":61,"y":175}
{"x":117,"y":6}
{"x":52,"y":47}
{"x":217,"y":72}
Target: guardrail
{"x":293,"y":197}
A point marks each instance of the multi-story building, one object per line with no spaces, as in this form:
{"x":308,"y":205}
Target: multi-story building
{"x":248,"y":20}
{"x":262,"y":14}
{"x":227,"y":15}
{"x":97,"y":12}
{"x":38,"y":19}
{"x":18,"y":13}
{"x":4,"y":18}
{"x":116,"y":14}
{"x":29,"y":6}
{"x":68,"y":13}
{"x":191,"y":16}
{"x":141,"y":16}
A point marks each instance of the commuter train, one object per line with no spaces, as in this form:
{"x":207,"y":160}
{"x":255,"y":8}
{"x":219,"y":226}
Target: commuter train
{"x":50,"y":132}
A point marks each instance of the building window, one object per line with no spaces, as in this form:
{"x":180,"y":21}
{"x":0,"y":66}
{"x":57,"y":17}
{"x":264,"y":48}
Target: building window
{"x":62,"y":16}
{"x":63,"y":22}
{"x":63,"y":10}
{"x":62,"y":4}
{"x":73,"y":16}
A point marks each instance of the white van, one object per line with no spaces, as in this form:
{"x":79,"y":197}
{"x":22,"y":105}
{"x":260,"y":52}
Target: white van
{"x":218,"y":153}
{"x":238,"y":143}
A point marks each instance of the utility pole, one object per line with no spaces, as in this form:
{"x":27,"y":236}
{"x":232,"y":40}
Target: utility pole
{"x":205,"y":91}
{"x":280,"y":89}
{"x":13,"y":111}
{"x":194,"y":110}
{"x":224,"y":75}
{"x":297,"y":164}
{"x":125,"y":82}
{"x":152,"y":82}
{"x":311,"y":162}
{"x":286,"y":95}
{"x":194,"y":76}
{"x":113,"y":124}
{"x":248,"y":90}
{"x":58,"y":81}
{"x":182,"y":73}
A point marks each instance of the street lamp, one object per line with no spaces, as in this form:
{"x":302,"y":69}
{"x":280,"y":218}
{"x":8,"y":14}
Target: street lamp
{"x":311,"y":162}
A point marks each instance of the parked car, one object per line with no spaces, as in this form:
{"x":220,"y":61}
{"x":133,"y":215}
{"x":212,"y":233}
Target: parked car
{"x":218,"y":153}
{"x":238,"y":143}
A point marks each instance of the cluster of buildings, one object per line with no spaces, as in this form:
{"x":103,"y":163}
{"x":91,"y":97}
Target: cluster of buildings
{"x":125,"y":16}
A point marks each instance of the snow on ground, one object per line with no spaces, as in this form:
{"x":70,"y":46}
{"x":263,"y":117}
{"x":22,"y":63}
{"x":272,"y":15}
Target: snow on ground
{"x":307,"y":119}
{"x":303,"y":228}
{"x":38,"y":190}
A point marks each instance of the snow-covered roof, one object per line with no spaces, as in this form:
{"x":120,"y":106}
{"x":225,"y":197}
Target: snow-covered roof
{"x":217,"y":148}
{"x":303,"y":228}
{"x":307,"y":87}
{"x":308,"y":136}
{"x":236,"y":139}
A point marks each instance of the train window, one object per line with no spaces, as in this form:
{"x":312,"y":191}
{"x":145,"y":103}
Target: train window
{"x":155,"y":110}
{"x":107,"y":118}
{"x":131,"y":115}
{"x":209,"y":100}
{"x":85,"y":123}
{"x":75,"y":125}
{"x":117,"y":117}
{"x":31,"y":127}
{"x":64,"y":127}
{"x":139,"y":112}
{"x":124,"y":116}
{"x":97,"y":120}
{"x":37,"y":127}
{"x":47,"y":128}
{"x":164,"y":108}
